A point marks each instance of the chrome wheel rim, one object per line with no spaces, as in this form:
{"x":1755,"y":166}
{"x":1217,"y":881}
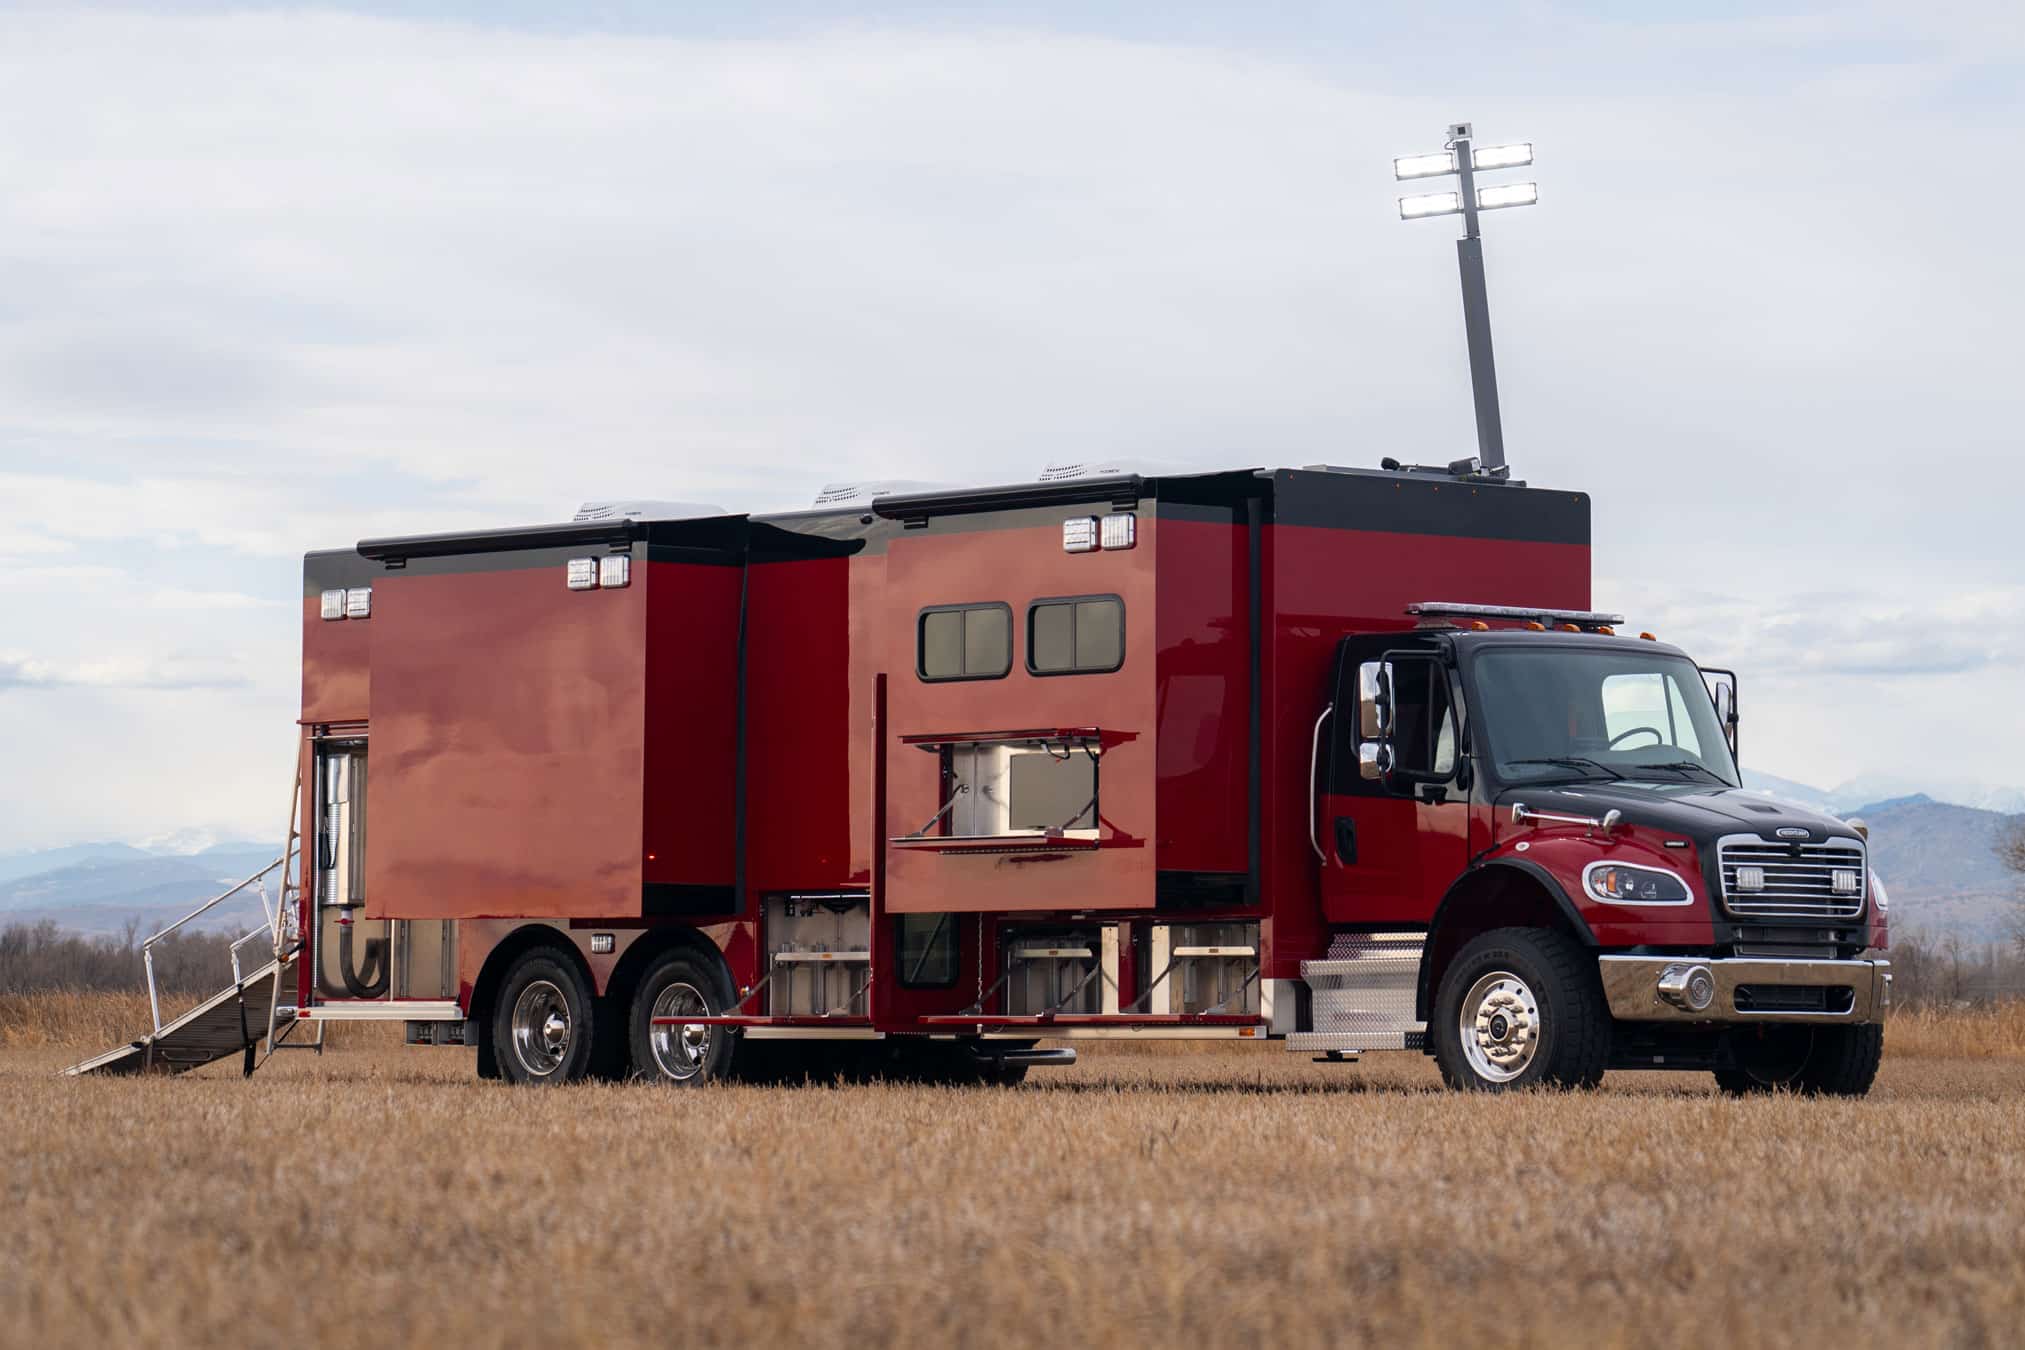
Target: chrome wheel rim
{"x":541,"y":1028}
{"x":680,"y":1051}
{"x":1500,"y":1025}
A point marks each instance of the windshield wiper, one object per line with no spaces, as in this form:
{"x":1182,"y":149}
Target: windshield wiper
{"x":1571,"y":762}
{"x":1690,"y":766}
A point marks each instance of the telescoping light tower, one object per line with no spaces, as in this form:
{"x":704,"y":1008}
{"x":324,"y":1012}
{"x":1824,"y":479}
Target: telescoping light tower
{"x":1465,"y":160}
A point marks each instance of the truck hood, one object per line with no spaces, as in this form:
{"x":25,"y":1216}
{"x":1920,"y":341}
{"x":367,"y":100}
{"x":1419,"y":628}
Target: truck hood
{"x":1699,"y":811}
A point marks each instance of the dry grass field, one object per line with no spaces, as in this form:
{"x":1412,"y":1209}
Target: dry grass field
{"x":381,"y":1196}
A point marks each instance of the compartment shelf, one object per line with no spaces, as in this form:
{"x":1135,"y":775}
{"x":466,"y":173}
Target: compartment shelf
{"x":1075,"y":738}
{"x":993,"y":843}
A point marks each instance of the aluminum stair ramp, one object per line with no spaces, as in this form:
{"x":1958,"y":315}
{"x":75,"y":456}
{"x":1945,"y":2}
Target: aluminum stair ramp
{"x":255,"y":1007}
{"x":234,"y":1021}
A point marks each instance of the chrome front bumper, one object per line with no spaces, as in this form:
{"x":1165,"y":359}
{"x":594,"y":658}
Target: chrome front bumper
{"x":1856,"y":991}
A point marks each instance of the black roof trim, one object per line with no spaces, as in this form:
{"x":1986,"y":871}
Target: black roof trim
{"x":1122,"y":491}
{"x":570,"y":535}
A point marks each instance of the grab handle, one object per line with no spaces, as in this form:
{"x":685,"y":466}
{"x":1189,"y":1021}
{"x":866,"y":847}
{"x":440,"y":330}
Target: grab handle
{"x":1314,"y":763}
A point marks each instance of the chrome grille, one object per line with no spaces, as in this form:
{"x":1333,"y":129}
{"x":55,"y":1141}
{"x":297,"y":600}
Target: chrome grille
{"x":1799,"y":878}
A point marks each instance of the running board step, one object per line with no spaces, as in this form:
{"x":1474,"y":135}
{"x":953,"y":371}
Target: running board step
{"x":1363,"y":994}
{"x":1353,"y":1043}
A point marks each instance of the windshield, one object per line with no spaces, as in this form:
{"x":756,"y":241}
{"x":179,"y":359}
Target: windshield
{"x":1559,"y":712}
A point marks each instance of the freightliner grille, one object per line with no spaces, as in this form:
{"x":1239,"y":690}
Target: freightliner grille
{"x":1799,"y":878}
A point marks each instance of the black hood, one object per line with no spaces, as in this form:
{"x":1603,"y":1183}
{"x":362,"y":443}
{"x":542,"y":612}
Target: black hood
{"x":1701,"y":811}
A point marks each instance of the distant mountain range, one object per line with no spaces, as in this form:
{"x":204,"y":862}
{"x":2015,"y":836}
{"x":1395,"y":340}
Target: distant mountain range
{"x":1936,"y":858}
{"x":1868,"y":789}
{"x":101,"y":888}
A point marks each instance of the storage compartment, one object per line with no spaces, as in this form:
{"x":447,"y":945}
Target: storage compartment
{"x":1053,"y":970}
{"x":1211,"y":968}
{"x":819,"y":953}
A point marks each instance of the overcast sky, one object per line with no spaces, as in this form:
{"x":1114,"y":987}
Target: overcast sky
{"x":275,"y":279}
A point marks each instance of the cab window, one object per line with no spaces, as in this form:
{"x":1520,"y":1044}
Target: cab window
{"x":1425,"y":738}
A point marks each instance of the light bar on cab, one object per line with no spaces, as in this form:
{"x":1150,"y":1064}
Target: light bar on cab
{"x":1444,"y":609}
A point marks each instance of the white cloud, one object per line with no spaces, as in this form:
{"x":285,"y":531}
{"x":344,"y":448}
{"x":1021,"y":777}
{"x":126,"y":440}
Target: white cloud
{"x":173,"y":671}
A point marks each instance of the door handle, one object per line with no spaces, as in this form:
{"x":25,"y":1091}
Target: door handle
{"x":1314,"y":792}
{"x":1346,"y":841}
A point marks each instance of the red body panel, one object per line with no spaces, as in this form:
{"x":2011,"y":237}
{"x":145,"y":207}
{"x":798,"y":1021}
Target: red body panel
{"x":687,"y":756}
{"x":1018,"y":566}
{"x":337,"y":666}
{"x":1202,"y":695}
{"x":507,"y":730}
{"x":800,"y":764}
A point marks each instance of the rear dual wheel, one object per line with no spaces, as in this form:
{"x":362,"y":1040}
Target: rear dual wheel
{"x":546,"y":1029}
{"x":679,"y":1054}
{"x":542,"y":1022}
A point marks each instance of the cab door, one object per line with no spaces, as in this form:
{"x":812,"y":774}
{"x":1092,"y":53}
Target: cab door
{"x":1392,"y":831}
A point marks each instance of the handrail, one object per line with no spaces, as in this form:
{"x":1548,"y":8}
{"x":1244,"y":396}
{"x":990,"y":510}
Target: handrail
{"x":206,"y":906}
{"x":266,"y":924}
{"x":1314,"y":762}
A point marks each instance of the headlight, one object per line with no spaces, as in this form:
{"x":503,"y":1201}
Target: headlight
{"x":1629,"y":884}
{"x":1877,"y":894}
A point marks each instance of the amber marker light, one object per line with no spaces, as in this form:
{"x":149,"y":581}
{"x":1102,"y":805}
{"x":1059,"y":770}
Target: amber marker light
{"x":1648,"y":637}
{"x":1535,"y":626}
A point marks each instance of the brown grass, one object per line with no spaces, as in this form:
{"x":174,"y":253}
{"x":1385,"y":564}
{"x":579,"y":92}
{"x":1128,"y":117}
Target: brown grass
{"x":1981,"y":1033}
{"x":383,"y":1196}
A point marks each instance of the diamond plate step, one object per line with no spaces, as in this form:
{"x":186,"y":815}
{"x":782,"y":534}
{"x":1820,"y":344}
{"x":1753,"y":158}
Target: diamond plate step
{"x":1362,"y":994}
{"x":1355,"y":1043}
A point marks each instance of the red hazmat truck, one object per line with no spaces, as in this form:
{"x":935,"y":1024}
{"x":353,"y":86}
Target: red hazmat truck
{"x":1338,"y":758}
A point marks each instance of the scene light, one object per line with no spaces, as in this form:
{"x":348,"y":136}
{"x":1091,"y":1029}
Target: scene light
{"x":1431,"y":204}
{"x":1510,"y":194}
{"x":1429,"y":166}
{"x":1501,"y":156}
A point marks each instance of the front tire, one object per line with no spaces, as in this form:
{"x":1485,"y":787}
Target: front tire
{"x":677,"y":985}
{"x":1815,"y":1061}
{"x":1518,"y":1008}
{"x":541,"y":1023}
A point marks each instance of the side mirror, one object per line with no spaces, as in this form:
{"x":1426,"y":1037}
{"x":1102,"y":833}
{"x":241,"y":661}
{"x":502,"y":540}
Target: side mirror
{"x":1375,"y":717}
{"x":1374,"y":701}
{"x":1723,"y":688}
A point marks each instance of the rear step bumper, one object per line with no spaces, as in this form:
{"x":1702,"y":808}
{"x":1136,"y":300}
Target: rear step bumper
{"x":1034,"y":1057}
{"x":1743,"y":989}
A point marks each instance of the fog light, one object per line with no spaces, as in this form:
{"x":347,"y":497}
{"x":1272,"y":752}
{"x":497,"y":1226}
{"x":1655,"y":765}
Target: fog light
{"x":1750,"y":878}
{"x":1688,"y":986}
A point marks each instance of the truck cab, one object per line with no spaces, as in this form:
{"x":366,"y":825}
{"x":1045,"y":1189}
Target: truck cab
{"x":1558,"y":809}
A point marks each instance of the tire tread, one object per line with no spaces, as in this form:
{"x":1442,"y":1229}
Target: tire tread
{"x":1582,"y":1032}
